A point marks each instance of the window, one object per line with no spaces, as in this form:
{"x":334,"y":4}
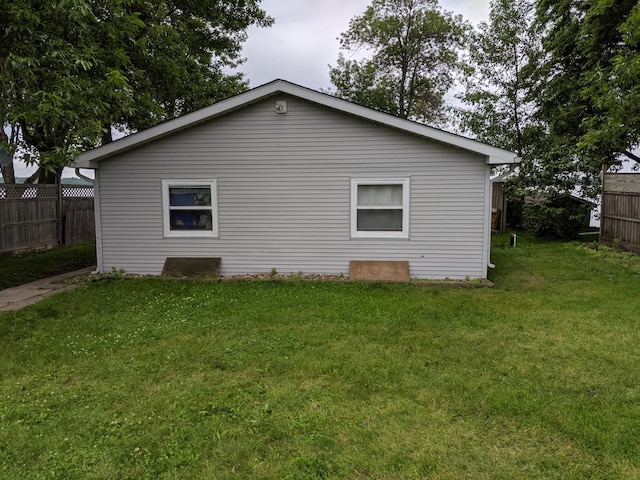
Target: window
{"x":380,"y":208}
{"x":190,"y":208}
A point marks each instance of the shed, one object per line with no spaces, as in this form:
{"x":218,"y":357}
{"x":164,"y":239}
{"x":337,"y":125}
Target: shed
{"x":287,"y":178}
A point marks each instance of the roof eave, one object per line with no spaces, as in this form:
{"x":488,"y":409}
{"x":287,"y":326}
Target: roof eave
{"x":503,"y":160}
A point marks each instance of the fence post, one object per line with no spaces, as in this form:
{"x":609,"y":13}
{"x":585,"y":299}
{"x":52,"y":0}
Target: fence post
{"x":59,"y":214}
{"x":603,"y":201}
{"x":2,"y":218}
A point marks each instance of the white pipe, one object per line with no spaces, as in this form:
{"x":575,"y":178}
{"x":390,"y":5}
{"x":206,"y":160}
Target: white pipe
{"x":83,"y":177}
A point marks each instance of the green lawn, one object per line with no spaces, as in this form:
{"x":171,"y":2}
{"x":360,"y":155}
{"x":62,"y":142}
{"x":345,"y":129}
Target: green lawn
{"x":137,"y":378}
{"x":28,"y":267}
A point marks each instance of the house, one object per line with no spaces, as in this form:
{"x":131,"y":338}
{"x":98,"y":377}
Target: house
{"x":283,"y":177}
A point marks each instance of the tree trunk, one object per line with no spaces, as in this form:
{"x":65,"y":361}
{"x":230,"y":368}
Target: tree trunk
{"x":47,"y":176}
{"x":107,"y":137}
{"x":8,"y":174}
{"x":33,"y":177}
{"x":632,"y":156}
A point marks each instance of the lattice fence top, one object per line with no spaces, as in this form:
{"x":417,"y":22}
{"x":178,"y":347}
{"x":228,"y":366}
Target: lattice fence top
{"x":29,"y":191}
{"x":12,"y":192}
{"x":77,"y":191}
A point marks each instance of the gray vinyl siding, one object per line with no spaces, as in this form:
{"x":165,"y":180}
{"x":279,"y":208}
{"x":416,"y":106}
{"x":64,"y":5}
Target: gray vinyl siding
{"x":284,"y":184}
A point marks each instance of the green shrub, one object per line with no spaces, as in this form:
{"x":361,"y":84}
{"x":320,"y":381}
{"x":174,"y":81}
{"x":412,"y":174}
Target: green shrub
{"x":558,"y":218}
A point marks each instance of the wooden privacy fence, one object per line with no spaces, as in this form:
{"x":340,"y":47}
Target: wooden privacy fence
{"x":498,"y":207}
{"x":39,"y":216}
{"x":620,"y":217}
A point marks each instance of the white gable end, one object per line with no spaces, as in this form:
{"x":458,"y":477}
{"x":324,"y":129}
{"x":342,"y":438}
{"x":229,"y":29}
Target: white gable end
{"x":90,"y":159}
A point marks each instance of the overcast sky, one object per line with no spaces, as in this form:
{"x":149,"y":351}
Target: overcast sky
{"x":303,"y":41}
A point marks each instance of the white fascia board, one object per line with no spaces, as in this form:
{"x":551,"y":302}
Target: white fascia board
{"x":90,"y":159}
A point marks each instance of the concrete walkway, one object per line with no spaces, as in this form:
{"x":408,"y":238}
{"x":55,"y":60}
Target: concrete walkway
{"x":17,"y":297}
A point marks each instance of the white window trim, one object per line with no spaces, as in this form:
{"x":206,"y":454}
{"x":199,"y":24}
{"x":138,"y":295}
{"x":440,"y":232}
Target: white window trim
{"x":355,"y":182}
{"x":212,"y":184}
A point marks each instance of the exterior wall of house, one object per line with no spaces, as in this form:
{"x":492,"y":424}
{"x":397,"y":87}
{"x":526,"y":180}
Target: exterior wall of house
{"x":284,"y":187}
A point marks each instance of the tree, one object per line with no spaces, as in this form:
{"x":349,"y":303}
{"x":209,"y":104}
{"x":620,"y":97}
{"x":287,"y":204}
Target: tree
{"x":498,"y":97}
{"x":589,"y":91}
{"x":613,"y":85}
{"x":414,"y":54}
{"x":42,"y":86}
{"x":70,"y":70}
{"x":503,"y":109}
